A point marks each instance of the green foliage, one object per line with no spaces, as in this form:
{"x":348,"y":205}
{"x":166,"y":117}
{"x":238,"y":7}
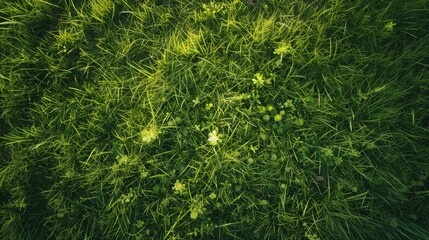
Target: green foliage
{"x":176,"y":119}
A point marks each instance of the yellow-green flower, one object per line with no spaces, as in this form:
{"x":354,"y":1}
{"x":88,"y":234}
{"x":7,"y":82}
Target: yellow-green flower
{"x":288,"y":104}
{"x":278,"y":117}
{"x":179,"y":187}
{"x":214,"y":138}
{"x":194,"y":214}
{"x":283,"y":48}
{"x":212,"y":195}
{"x":389,"y":26}
{"x":149,"y":133}
{"x":258,"y":80}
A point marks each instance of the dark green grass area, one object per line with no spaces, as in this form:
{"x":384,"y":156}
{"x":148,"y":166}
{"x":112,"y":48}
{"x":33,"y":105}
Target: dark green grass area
{"x":272,"y":119}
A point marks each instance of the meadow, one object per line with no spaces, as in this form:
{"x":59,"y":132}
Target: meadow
{"x":202,"y":119}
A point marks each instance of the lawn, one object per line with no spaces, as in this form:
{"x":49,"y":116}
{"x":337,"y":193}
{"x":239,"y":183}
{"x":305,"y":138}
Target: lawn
{"x":235,"y":119}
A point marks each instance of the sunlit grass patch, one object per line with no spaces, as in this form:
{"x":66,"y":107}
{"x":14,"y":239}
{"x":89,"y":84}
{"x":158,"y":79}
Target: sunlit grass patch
{"x":214,"y":120}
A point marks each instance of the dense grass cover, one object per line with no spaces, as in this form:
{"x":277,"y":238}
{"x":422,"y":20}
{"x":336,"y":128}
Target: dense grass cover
{"x":164,"y":119}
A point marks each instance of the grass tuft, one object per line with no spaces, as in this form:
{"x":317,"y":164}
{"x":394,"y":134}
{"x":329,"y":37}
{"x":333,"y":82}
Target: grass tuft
{"x":176,"y":119}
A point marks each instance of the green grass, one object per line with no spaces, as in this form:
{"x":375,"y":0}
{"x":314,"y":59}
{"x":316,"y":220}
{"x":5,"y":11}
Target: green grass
{"x":173,"y":119}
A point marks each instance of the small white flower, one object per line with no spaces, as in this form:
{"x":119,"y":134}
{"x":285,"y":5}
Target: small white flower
{"x":214,"y":138}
